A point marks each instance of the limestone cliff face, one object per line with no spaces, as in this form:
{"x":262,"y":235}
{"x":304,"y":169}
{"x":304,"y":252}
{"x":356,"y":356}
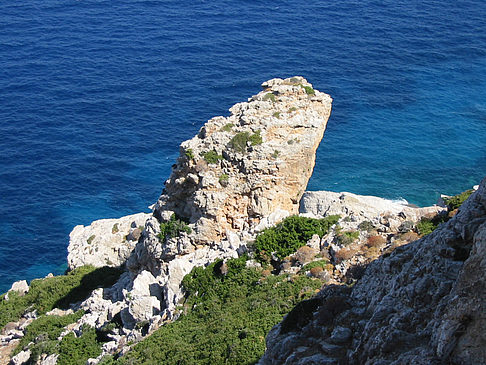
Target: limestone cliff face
{"x":236,"y":176}
{"x":422,"y":304}
{"x":105,"y":242}
{"x":241,"y":168}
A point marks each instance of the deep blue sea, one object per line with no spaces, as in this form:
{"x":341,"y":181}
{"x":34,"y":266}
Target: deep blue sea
{"x":96,"y":96}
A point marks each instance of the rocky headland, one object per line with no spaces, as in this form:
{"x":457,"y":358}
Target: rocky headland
{"x":387,"y":295}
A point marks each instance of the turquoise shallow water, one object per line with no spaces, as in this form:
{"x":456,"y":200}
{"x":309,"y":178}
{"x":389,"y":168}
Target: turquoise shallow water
{"x":96,"y":96}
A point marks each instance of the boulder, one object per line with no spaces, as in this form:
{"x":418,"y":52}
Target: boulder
{"x":105,"y":242}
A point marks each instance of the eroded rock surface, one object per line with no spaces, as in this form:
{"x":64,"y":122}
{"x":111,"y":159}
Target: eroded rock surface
{"x":242,"y":168}
{"x":237,"y":176}
{"x":105,"y":242}
{"x":422,"y":304}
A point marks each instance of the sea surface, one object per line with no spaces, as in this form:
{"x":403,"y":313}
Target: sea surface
{"x":96,"y":96}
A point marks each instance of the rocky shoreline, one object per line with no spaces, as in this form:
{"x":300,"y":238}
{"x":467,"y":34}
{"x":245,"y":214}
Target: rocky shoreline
{"x":239,"y":176}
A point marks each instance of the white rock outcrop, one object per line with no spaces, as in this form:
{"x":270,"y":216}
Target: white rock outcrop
{"x":361,"y":207}
{"x":105,"y":242}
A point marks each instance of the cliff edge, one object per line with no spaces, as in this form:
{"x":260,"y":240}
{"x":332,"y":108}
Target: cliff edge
{"x":424,"y":303}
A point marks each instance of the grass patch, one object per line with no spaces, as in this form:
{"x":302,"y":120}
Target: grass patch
{"x":347,"y":238}
{"x":270,"y":97}
{"x":240,"y":141}
{"x":308,"y":90}
{"x":173,"y":228}
{"x":57,"y":292}
{"x":189,"y":153}
{"x":226,"y":316}
{"x":456,"y":201}
{"x":289,"y":235}
{"x":212,"y":157}
{"x":43,"y":332}
{"x":223,"y":179}
{"x":227,"y":127}
{"x":313,"y":264}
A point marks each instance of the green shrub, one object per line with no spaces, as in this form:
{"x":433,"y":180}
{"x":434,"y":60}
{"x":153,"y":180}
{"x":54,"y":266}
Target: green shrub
{"x":311,"y":265}
{"x":115,"y":228}
{"x":189,"y":154}
{"x":173,"y":228}
{"x":347,"y":238}
{"x":256,"y":139}
{"x":240,"y":140}
{"x":227,"y":127}
{"x":226,"y":317}
{"x":366,"y":226}
{"x":294,"y":81}
{"x":223,"y":179}
{"x":276,"y":115}
{"x":456,"y":201}
{"x":57,"y":292}
{"x":275,"y":154}
{"x":292,"y":109}
{"x":428,"y":225}
{"x":425,"y":226}
{"x":90,"y":239}
{"x":212,"y":157}
{"x":309,"y":90}
{"x":270,"y":97}
{"x":289,"y":235}
{"x":43,"y":332}
{"x":77,"y":350}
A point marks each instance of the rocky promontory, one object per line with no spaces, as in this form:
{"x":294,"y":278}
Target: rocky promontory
{"x":385,"y":282}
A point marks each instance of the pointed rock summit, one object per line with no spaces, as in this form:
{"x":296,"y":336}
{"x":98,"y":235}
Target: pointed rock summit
{"x":240,"y":169}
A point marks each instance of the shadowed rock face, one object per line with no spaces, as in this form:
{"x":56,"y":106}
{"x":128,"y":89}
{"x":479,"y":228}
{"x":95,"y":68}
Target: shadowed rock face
{"x":241,"y":168}
{"x":422,"y":304}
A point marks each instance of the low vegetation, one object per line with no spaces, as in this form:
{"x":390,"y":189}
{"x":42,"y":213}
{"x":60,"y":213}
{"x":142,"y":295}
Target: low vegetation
{"x":240,"y":141}
{"x":270,"y":97}
{"x":428,"y":225}
{"x":223,"y":179}
{"x":56,"y":292}
{"x":43,"y":333}
{"x":345,"y":238}
{"x":227,"y":127}
{"x":189,"y":154}
{"x":225,"y":317}
{"x":313,"y":264}
{"x":173,"y":228}
{"x":309,"y":90}
{"x":456,"y":201}
{"x":289,"y":235}
{"x":212,"y":157}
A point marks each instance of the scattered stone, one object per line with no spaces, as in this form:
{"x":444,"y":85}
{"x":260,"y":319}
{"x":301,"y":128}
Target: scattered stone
{"x":21,"y":358}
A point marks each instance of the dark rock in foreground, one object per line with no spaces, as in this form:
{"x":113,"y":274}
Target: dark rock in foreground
{"x":425,"y":303}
